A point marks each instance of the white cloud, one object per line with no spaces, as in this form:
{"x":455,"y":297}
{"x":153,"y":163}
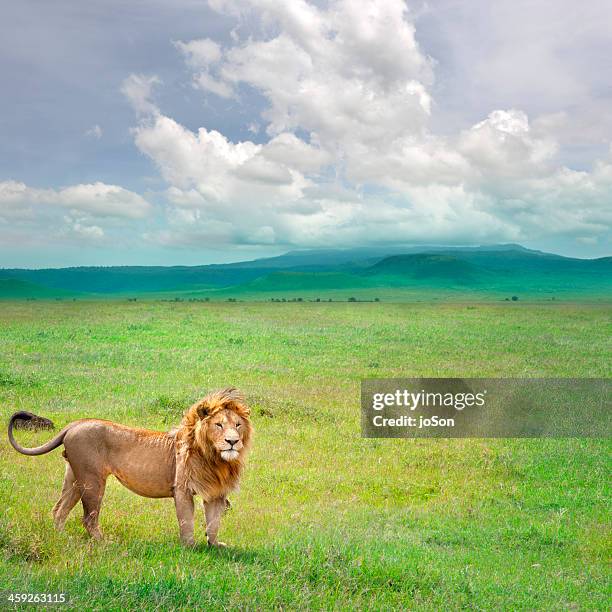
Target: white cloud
{"x":200,"y":53}
{"x":95,"y":199}
{"x":287,"y":148}
{"x":503,"y":145}
{"x":260,"y":170}
{"x":351,"y":157}
{"x":82,"y":214}
{"x":81,"y":229}
{"x":94,"y":132}
{"x":352,"y":74}
{"x":205,"y":81}
{"x":224,"y":174}
{"x":187,"y":160}
{"x":138,"y":89}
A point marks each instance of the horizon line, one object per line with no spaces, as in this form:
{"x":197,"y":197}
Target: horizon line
{"x":507,"y":245}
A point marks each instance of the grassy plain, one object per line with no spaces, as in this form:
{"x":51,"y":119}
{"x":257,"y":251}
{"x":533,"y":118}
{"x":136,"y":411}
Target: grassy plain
{"x":324,"y":519}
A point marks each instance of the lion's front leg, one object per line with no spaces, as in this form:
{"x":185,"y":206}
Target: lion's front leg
{"x":213,"y":510}
{"x":183,"y":500}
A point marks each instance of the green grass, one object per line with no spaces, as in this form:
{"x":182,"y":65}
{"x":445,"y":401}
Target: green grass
{"x":324,"y":518}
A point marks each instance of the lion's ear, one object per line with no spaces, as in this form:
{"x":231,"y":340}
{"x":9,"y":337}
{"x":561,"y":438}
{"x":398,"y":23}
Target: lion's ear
{"x":202,"y":411}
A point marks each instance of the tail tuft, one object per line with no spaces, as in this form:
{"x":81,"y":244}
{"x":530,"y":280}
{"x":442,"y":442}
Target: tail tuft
{"x":33,"y":422}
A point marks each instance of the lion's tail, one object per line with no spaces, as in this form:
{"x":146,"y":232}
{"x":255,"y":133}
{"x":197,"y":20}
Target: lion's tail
{"x":39,"y":450}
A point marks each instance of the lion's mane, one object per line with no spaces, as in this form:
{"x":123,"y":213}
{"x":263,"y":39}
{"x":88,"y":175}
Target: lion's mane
{"x":206,"y":473}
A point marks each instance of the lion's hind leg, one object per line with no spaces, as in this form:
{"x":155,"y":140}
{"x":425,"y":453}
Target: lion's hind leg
{"x":92,"y":493}
{"x":91,"y":483}
{"x":68,"y":499}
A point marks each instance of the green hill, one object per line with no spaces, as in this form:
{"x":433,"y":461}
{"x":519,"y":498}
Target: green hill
{"x":428,"y":267}
{"x":305,"y":281}
{"x":136,"y":279}
{"x":12,"y":288}
{"x":515,"y":270}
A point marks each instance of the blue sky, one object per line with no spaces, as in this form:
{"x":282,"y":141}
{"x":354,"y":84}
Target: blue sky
{"x":191,"y":132}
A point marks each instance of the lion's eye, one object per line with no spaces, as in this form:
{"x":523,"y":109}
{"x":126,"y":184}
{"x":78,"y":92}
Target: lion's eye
{"x":219,"y":425}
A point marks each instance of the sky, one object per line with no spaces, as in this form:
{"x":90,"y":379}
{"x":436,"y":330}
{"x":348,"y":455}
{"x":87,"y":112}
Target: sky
{"x":166,"y":132}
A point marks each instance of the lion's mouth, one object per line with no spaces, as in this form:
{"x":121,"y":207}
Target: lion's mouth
{"x":230,"y":454}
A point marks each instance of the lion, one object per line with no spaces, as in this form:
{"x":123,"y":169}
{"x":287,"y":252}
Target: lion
{"x":203,"y":456}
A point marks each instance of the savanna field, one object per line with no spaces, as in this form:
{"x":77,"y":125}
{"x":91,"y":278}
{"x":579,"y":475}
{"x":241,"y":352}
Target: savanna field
{"x":324,"y":518}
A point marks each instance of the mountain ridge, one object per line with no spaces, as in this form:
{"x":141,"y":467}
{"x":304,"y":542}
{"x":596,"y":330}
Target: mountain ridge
{"x":492,"y":268}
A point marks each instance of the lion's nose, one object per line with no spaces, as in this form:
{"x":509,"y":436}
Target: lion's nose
{"x":231,"y":442}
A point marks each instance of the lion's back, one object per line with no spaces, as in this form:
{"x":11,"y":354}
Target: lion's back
{"x":141,"y":459}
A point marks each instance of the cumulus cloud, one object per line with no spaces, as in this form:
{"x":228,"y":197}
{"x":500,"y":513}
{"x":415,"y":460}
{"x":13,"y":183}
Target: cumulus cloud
{"x":350,"y":156}
{"x":78,"y":212}
{"x":503,"y":145}
{"x":96,"y":199}
{"x":350,"y":75}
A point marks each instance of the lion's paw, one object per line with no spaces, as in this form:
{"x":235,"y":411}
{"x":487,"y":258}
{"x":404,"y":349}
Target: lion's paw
{"x":188,"y":542}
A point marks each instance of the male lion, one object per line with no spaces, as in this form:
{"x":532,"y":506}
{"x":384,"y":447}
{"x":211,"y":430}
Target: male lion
{"x":203,"y":456}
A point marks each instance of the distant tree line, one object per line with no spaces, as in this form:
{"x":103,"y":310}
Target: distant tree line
{"x":299,"y":299}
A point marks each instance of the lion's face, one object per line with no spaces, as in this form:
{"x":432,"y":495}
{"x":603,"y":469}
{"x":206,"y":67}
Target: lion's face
{"x":227,"y":432}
